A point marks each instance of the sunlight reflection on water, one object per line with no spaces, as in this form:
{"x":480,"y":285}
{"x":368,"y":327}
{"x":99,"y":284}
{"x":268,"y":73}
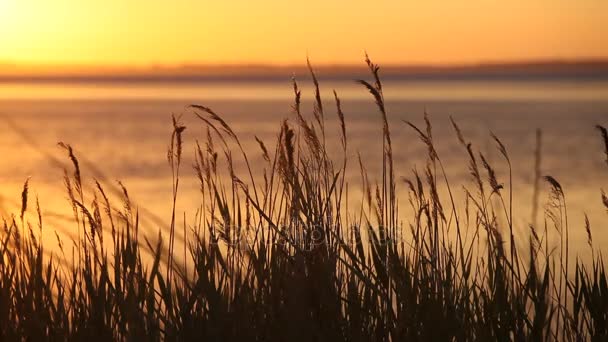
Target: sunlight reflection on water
{"x":124,"y":130}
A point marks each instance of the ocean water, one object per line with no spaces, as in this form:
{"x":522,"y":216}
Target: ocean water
{"x":121,"y":131}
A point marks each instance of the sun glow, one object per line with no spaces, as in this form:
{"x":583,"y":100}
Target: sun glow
{"x":7,"y":10}
{"x":137,"y":32}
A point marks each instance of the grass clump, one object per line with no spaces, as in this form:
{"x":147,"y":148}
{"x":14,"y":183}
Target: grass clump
{"x":283,"y":256}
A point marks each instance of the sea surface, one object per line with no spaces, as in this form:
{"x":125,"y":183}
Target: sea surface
{"x":121,"y":131}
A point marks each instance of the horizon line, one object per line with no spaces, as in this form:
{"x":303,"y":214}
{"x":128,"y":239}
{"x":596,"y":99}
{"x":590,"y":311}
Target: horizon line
{"x":592,"y":68}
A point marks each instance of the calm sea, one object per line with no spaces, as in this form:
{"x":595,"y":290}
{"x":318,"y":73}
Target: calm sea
{"x":121,"y":131}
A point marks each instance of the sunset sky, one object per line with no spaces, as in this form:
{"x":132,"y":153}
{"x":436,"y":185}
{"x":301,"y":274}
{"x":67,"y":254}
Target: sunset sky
{"x":145,"y":32}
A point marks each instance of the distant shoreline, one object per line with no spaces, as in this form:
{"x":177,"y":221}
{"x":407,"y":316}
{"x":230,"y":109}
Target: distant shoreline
{"x":528,"y":71}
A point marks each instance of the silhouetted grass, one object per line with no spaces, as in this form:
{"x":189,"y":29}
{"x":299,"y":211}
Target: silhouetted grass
{"x":282,"y":256}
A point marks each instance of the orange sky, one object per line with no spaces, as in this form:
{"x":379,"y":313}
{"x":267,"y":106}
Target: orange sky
{"x":144,"y":32}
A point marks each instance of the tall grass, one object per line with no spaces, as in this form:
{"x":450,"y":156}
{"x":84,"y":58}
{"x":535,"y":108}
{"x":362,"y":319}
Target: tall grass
{"x":283,"y":255}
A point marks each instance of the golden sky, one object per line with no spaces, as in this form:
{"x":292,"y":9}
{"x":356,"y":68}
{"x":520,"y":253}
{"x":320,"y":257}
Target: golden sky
{"x":171,"y":32}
